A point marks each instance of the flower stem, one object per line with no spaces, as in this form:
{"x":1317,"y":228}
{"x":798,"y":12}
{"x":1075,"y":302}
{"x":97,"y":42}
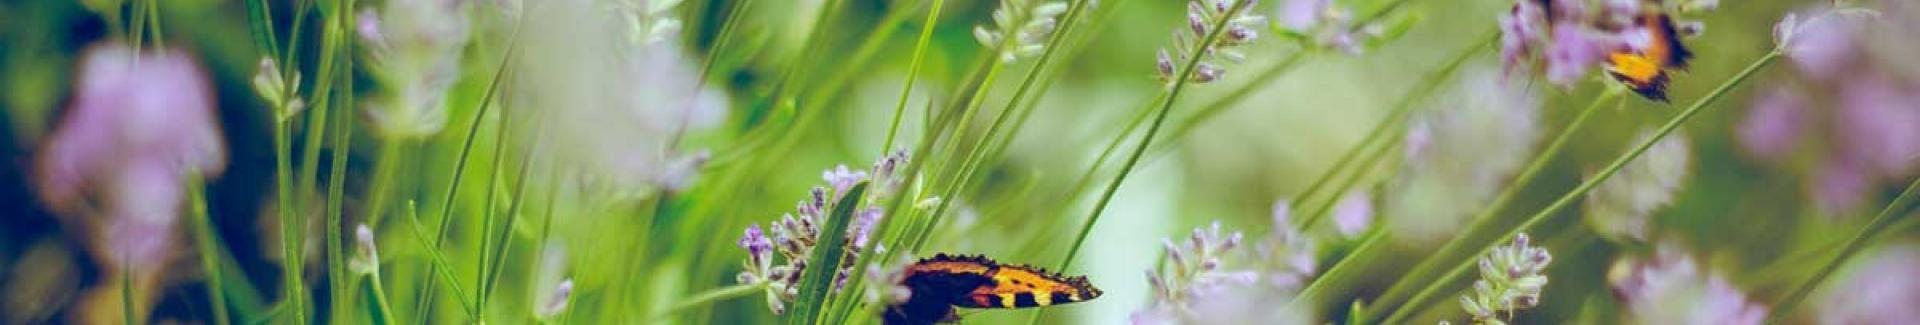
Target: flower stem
{"x":380,"y":301}
{"x":426,"y":295}
{"x":1402,"y":311}
{"x":913,"y":73}
{"x":208,"y":243}
{"x":1855,"y":245}
{"x":709,"y":297}
{"x":291,"y":226}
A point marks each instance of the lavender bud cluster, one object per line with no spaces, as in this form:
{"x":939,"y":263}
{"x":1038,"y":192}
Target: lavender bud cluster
{"x":1190,"y":275}
{"x":795,"y":236}
{"x":1028,"y":22}
{"x":1241,"y":28}
{"x":1511,"y":278}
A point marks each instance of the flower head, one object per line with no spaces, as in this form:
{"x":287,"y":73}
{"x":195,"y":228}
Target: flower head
{"x":1459,"y":154}
{"x":1622,"y":206}
{"x":416,"y":47}
{"x":1857,"y":111}
{"x":1876,"y":288}
{"x":1354,"y":214}
{"x":366,"y":258}
{"x":1511,"y":278}
{"x":1202,"y":15}
{"x":1028,"y":22}
{"x":1574,"y":37}
{"x":796,"y":235}
{"x":139,"y":127}
{"x":1192,"y":273}
{"x":1671,"y":289}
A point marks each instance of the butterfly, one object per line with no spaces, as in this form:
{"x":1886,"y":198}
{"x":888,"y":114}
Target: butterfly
{"x":944,"y":282}
{"x":1647,"y":70}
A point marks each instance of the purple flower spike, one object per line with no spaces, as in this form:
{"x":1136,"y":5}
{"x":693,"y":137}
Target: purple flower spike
{"x":1574,"y":51}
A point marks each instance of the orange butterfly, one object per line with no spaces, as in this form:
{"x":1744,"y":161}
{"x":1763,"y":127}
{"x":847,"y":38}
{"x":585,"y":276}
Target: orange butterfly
{"x":1646,"y":71}
{"x":941,"y":283}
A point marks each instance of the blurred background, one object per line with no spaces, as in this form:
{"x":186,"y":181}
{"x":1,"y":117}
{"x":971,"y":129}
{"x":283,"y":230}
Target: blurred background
{"x":613,"y":146}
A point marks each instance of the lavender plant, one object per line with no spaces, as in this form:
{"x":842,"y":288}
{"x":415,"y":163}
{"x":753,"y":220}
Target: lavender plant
{"x":1511,"y":280}
{"x":796,"y":235}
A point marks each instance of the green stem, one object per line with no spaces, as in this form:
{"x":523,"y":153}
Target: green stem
{"x":438,"y":267}
{"x":127,"y":303}
{"x":913,"y":73}
{"x":460,"y":165}
{"x":1339,"y":271}
{"x":488,"y":214}
{"x":343,"y":138}
{"x":1855,"y":245}
{"x":500,"y":249}
{"x":709,"y":297}
{"x":1402,"y":311}
{"x":291,"y":226}
{"x":380,"y":301}
{"x":208,"y":243}
{"x":260,"y":26}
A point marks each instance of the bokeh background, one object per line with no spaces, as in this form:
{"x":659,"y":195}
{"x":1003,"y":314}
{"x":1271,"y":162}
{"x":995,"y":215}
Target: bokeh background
{"x":1770,"y":180}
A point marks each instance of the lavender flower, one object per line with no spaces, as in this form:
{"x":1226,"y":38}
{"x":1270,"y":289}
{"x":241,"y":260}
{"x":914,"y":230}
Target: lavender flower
{"x":842,"y":179}
{"x":1671,"y":289}
{"x":885,"y":287}
{"x":1354,"y":214}
{"x":1772,"y":127}
{"x":1459,"y":155}
{"x":1322,"y":25}
{"x":1191,"y":276}
{"x":1511,"y":278}
{"x":272,"y":86}
{"x":556,"y":301}
{"x":622,"y":123}
{"x":1860,"y":124}
{"x":140,"y":125}
{"x":1202,"y":15}
{"x":416,"y":47}
{"x":1876,"y":288}
{"x":366,"y":257}
{"x":1574,"y":51}
{"x":1573,"y":37}
{"x":1029,"y":22}
{"x":795,"y":237}
{"x":1622,"y":206}
{"x":1289,"y":254}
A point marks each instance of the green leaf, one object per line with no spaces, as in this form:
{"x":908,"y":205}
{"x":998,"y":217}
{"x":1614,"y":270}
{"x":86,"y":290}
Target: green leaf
{"x":817,"y":281}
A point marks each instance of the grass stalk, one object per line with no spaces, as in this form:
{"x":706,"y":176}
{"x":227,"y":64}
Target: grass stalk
{"x":709,"y":297}
{"x":489,"y":212}
{"x":439,"y":267}
{"x":913,"y":73}
{"x":1881,"y":223}
{"x":1400,"y":312}
{"x":460,"y":165}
